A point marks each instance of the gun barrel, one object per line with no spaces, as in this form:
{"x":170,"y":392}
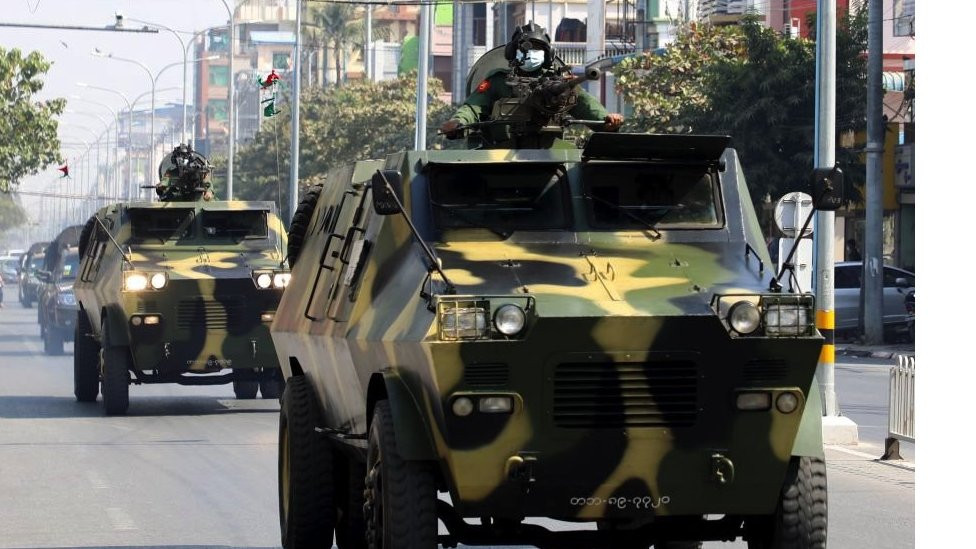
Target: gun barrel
{"x":591,"y":73}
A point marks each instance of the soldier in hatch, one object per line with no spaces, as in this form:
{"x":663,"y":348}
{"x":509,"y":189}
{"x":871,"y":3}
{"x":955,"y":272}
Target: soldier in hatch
{"x":184,"y":176}
{"x":530,"y":54}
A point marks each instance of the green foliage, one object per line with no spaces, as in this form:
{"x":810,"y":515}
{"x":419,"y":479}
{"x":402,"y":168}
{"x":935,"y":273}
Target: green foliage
{"x":28,"y":128}
{"x":11,"y":214}
{"x":750,"y":82}
{"x":357,"y":121}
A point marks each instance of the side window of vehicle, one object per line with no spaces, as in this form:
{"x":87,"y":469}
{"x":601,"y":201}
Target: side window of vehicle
{"x":848,"y":277}
{"x":891,"y":277}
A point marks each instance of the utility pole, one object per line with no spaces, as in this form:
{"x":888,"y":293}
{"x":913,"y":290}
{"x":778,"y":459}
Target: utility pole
{"x":420,"y":137}
{"x":823,"y":157}
{"x":872,"y":288}
{"x":292,"y":204}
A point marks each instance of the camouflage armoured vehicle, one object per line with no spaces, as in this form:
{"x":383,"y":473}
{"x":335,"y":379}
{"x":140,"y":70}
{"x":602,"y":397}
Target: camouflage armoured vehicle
{"x":586,"y":335}
{"x":178,"y":290}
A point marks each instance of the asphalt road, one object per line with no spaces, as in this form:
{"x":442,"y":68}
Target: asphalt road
{"x":193,"y":467}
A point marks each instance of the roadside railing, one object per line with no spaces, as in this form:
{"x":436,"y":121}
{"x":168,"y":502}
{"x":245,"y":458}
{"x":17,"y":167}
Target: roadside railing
{"x":901,"y":406}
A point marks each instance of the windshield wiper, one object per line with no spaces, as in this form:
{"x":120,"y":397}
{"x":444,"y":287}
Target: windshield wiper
{"x":471,"y":223}
{"x":621,"y":209}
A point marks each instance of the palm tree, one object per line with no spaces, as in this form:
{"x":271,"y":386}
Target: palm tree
{"x":343,"y":28}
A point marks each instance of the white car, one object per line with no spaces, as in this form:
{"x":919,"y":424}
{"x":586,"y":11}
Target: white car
{"x":847,"y":295}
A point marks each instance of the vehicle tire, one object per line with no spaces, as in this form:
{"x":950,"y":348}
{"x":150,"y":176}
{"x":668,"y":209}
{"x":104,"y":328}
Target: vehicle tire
{"x":800,"y":521}
{"x":116,"y":362}
{"x":350,"y":481}
{"x":246,"y":390}
{"x":53,"y":341}
{"x":86,"y":361}
{"x":306,"y":502}
{"x":271,"y":387}
{"x":300,"y":221}
{"x":400,"y":496}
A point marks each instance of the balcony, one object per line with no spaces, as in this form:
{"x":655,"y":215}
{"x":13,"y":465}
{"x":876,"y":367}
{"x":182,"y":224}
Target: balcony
{"x":574,"y":53}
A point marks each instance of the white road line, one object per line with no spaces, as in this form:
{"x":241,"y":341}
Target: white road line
{"x":120,"y":519}
{"x":97,"y":480}
{"x":900,"y":464}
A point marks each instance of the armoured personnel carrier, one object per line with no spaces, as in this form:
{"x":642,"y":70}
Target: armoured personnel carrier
{"x":177,"y":290}
{"x":591,"y":335}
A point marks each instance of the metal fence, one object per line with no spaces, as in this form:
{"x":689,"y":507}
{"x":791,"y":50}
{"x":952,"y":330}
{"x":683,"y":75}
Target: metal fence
{"x":901,"y":406}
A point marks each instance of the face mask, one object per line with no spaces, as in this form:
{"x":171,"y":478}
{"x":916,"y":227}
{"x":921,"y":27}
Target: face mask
{"x":532,"y":60}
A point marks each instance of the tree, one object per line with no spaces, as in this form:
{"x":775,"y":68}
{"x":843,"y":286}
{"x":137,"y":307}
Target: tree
{"x":338,"y":26}
{"x":28,"y":128}
{"x":11,"y":214}
{"x":360,"y":120}
{"x":750,"y":82}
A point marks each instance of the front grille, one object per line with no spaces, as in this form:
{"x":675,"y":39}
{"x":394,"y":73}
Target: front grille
{"x":209,"y":313}
{"x":149,"y":306}
{"x":625,"y":394}
{"x":490,"y":376}
{"x":769,"y":371}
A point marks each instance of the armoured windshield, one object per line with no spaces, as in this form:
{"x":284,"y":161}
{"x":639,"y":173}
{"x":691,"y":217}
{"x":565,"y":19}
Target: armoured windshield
{"x":161,"y":224}
{"x":633,"y":196}
{"x":499,"y":197}
{"x":234,"y":224}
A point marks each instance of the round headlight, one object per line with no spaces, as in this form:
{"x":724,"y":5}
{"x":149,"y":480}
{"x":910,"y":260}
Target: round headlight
{"x":744,"y":317}
{"x":264,"y":280}
{"x":787,"y":402}
{"x":509,"y":319}
{"x":462,"y":406}
{"x":281,"y":279}
{"x":135,"y":282}
{"x":157,"y":281}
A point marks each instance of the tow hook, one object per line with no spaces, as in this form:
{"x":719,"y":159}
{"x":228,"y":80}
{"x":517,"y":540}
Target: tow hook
{"x":723,"y":470}
{"x":521,"y":469}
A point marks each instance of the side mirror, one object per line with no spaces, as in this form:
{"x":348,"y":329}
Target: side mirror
{"x":901,"y":283}
{"x":828,"y":188}
{"x":387,"y":188}
{"x":43,"y":276}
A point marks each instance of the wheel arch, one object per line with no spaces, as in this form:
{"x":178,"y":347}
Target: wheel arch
{"x":414,"y":439}
{"x":809,"y":436}
{"x":115,"y":318}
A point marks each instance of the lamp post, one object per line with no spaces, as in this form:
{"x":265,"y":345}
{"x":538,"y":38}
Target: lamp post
{"x":152,"y":82}
{"x":232,"y":109}
{"x":128,"y":142}
{"x":182,"y":45}
{"x":107,"y":133}
{"x":115,"y":118}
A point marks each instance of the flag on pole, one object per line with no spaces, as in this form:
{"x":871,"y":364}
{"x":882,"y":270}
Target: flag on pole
{"x":64,"y":171}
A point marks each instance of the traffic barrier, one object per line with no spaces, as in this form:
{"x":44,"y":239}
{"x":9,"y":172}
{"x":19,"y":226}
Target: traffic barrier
{"x":901,"y":406}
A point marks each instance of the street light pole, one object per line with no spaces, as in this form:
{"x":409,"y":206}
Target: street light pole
{"x":295,"y":111}
{"x":182,"y":45}
{"x":128,"y":142}
{"x":232,"y":110}
{"x":115,"y":155}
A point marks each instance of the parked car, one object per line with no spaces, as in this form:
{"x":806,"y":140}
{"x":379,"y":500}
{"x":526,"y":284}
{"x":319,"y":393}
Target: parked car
{"x":847,"y":296}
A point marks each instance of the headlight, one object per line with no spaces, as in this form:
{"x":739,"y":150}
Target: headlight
{"x":463,"y":319}
{"x":787,"y":319}
{"x":136,"y":282}
{"x":67,"y":299}
{"x":744,"y":317}
{"x":509,"y":319}
{"x":264,"y":281}
{"x":158,"y":281}
{"x":281,"y":279}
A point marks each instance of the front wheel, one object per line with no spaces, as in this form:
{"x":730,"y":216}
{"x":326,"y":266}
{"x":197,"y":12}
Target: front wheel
{"x":86,"y":361}
{"x":800,"y":521}
{"x":306,"y":499}
{"x":246,"y":390}
{"x":116,"y":362}
{"x":401,"y":496}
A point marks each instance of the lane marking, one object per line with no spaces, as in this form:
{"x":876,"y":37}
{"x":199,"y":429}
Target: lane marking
{"x":97,"y":480}
{"x":120,"y":519}
{"x":907,"y":465}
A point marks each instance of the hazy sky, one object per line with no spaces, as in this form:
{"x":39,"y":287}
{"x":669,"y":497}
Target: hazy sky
{"x":70,"y":51}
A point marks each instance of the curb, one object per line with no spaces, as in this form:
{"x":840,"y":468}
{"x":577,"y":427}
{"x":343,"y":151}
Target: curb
{"x":864,"y":353}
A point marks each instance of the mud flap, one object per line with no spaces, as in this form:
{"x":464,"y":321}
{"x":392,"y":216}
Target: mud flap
{"x":809,"y":437}
{"x":413,"y":437}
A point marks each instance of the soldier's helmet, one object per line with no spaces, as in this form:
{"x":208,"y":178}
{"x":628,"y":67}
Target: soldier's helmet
{"x":527,"y":37}
{"x":184,"y":174}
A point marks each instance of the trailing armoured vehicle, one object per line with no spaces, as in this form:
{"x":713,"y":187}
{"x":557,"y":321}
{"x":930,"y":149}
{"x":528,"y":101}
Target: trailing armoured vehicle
{"x":177,"y":291}
{"x":586,"y":335}
{"x":57,"y":307}
{"x":28,"y":283}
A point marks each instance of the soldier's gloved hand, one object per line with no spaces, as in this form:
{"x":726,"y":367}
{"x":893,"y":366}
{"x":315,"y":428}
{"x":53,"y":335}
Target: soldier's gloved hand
{"x":450,"y":128}
{"x":613,"y":121}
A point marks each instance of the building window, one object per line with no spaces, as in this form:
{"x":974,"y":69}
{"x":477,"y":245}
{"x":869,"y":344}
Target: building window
{"x":218,"y":75}
{"x":281,"y":61}
{"x":218,"y":41}
{"x":479,"y":19}
{"x":217,"y":109}
{"x":904,"y":17}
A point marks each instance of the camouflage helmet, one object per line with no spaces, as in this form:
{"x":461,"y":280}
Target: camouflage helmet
{"x":527,"y":36}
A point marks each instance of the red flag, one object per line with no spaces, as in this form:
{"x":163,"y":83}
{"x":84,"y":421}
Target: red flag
{"x":64,"y":171}
{"x":271,"y":78}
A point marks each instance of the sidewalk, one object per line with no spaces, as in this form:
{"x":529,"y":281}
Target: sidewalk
{"x":891,"y":350}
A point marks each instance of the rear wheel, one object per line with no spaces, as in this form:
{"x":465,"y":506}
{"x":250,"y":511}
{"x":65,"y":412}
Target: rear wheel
{"x":86,"y":361}
{"x":400,"y":507}
{"x":800,"y":521}
{"x":306,"y":502}
{"x":53,"y":341}
{"x":246,"y":389}
{"x":116,"y":363}
{"x":300,"y":222}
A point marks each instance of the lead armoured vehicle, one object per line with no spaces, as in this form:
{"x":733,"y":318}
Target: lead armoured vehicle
{"x":591,"y":335}
{"x":178,"y":290}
